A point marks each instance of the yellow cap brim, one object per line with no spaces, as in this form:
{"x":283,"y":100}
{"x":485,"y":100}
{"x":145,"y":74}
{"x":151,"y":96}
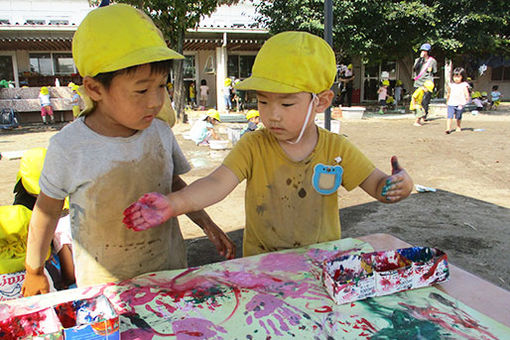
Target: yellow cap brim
{"x":139,"y":57}
{"x":266,"y":85}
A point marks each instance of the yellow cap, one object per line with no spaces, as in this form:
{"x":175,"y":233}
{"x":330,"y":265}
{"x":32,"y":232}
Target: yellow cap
{"x":115,"y":37}
{"x":292,"y":62}
{"x":227,"y":82}
{"x":30,"y":168}
{"x":75,"y":87}
{"x":398,"y":82}
{"x":386,"y":83}
{"x":14,"y":220}
{"x":44,"y":90}
{"x":429,"y":85}
{"x":214,"y":114}
{"x":252,"y":113}
{"x":349,"y":67}
{"x":167,"y":113}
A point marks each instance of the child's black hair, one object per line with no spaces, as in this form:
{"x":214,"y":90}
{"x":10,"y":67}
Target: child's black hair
{"x":495,"y":88}
{"x":162,"y":67}
{"x":203,"y":82}
{"x":459,"y":71}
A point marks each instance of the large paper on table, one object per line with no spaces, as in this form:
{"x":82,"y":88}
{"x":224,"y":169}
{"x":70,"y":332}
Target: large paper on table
{"x":277,"y":295}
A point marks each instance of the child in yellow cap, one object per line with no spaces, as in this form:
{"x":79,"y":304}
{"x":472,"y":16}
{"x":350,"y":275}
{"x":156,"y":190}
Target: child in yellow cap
{"x":203,"y":130}
{"x":114,"y":152}
{"x":293,"y":168}
{"x":46,"y":108}
{"x":417,"y":100}
{"x":253,"y":117}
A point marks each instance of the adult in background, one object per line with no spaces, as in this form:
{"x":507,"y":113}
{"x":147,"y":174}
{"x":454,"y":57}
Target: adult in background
{"x":347,"y":79}
{"x":424,"y":69}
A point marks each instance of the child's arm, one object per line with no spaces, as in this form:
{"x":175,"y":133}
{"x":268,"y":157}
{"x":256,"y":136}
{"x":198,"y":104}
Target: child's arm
{"x":44,"y":220}
{"x":153,"y":208}
{"x":388,"y":189}
{"x":223,"y":243}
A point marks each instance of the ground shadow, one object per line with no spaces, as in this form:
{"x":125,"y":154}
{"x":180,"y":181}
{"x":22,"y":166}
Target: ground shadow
{"x":475,"y":234}
{"x":33,"y":127}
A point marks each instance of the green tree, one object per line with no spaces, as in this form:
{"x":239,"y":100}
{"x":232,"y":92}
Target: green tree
{"x":173,"y":18}
{"x":377,"y":30}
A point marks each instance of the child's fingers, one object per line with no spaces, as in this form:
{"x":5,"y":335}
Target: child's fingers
{"x":132,"y":209}
{"x":395,"y":167}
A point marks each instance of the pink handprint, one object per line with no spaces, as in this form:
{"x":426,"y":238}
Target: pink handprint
{"x":149,"y":211}
{"x":277,"y":314}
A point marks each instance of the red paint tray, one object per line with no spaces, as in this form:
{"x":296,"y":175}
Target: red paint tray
{"x":356,"y":277}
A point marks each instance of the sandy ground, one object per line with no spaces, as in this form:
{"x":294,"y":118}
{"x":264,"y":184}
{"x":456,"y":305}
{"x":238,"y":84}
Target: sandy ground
{"x":468,"y":217}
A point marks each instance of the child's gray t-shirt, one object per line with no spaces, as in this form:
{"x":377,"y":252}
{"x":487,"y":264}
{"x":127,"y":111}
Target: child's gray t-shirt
{"x":102,"y":176}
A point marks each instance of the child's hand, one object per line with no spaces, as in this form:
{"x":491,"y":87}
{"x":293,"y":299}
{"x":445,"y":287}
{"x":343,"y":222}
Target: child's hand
{"x":223,"y":243}
{"x":149,"y":211}
{"x":399,"y":185}
{"x":35,"y":282}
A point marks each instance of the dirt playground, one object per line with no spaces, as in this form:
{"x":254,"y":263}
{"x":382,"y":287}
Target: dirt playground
{"x":468,"y":216}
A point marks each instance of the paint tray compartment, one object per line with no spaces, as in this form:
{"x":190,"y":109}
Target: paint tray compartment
{"x":91,"y":319}
{"x":348,"y":278}
{"x":429,"y":265}
{"x":356,"y":277}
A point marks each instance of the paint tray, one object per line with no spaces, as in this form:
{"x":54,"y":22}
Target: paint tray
{"x":356,"y":277}
{"x":91,"y":319}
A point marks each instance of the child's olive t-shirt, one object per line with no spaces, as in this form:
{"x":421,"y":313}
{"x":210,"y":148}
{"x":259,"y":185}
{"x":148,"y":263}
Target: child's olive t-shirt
{"x":283,"y":209}
{"x":102,"y":176}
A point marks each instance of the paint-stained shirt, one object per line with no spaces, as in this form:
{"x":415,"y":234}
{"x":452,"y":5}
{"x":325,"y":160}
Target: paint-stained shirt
{"x":283,"y":209}
{"x":104,"y":175}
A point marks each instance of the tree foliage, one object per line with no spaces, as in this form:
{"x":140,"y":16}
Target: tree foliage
{"x":376,"y":30}
{"x":173,"y":18}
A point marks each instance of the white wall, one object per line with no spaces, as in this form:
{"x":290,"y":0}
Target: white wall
{"x":18,"y":11}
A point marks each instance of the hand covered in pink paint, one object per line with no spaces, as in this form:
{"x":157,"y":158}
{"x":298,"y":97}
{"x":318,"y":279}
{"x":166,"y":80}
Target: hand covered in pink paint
{"x":149,"y":211}
{"x":399,"y":185}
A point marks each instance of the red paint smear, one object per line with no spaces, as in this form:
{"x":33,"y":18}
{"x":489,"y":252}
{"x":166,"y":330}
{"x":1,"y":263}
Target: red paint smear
{"x":368,"y":324}
{"x":150,"y":309}
{"x":434,"y":315}
{"x":431,"y":270}
{"x":324,"y":309}
{"x":237,"y":294}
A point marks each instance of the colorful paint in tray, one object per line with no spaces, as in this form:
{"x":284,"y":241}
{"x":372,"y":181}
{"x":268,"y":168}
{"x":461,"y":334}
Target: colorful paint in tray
{"x":356,"y":277}
{"x":91,"y":319}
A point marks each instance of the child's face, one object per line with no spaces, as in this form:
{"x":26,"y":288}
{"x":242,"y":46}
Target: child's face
{"x":457,"y":78}
{"x":283,"y":114}
{"x":255,"y":120}
{"x":132,"y":101}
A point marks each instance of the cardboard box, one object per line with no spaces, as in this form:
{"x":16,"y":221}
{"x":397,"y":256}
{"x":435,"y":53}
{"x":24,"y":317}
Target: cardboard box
{"x":87,"y":319}
{"x":10,"y":285}
{"x":356,"y":277}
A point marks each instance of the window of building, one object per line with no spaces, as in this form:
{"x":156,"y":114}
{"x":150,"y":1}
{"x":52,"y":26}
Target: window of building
{"x":500,"y":73}
{"x":189,"y":67}
{"x":41,"y":63}
{"x":6,"y":69}
{"x":59,"y":22}
{"x":63,"y":63}
{"x":4,"y":22}
{"x":239,"y":66}
{"x":35,"y":22}
{"x":52,"y":63}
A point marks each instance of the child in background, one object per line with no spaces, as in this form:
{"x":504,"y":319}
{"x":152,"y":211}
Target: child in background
{"x":26,"y":192}
{"x":456,"y":99}
{"x":485,"y":101}
{"x":293,"y":168}
{"x":227,"y":92}
{"x":417,"y":99}
{"x":192,"y":94}
{"x":253,"y":118}
{"x":476,"y":100}
{"x":46,"y":108}
{"x":75,"y":101}
{"x":382,"y":94}
{"x":111,"y":154}
{"x":203,"y":130}
{"x":204,"y":94}
{"x":398,"y":92}
{"x":495,"y":97}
